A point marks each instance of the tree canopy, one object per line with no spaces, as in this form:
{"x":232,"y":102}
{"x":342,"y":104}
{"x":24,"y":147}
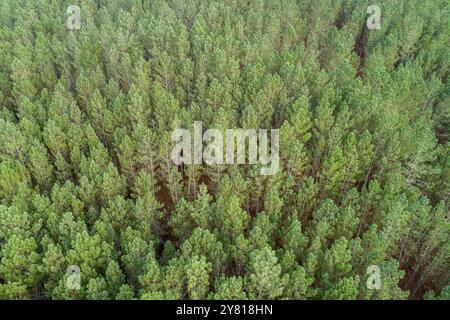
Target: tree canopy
{"x":87,"y":180}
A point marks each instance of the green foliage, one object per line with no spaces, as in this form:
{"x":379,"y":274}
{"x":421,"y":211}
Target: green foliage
{"x":264,"y":280}
{"x":197,"y":275}
{"x":87,"y":179}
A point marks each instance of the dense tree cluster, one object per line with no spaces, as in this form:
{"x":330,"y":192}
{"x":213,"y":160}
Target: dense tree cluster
{"x":86,"y":176}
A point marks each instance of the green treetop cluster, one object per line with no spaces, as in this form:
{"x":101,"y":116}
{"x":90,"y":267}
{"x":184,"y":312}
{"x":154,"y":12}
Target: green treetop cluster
{"x":87,"y":179}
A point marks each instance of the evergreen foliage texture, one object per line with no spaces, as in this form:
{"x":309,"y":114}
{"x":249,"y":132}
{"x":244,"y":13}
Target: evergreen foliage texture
{"x":86,"y":177}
